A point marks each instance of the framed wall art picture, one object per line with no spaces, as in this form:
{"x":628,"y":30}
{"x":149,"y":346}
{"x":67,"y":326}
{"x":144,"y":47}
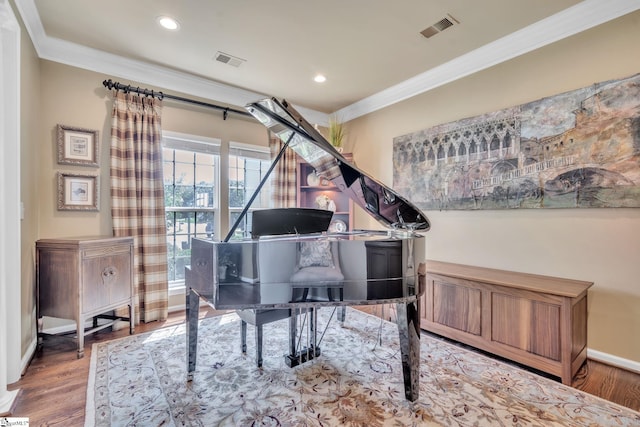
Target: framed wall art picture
{"x":78,"y":192}
{"x":77,"y":146}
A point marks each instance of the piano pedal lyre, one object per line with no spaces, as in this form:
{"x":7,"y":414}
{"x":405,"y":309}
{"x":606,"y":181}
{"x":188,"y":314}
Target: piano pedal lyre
{"x":296,"y":355}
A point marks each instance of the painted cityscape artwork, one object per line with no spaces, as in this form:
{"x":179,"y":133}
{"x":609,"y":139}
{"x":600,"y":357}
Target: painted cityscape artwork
{"x":579,"y":149}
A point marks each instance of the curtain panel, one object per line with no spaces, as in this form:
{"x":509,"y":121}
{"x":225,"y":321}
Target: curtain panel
{"x":283,"y":183}
{"x":137,"y":197}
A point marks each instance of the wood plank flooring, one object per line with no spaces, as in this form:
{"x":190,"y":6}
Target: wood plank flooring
{"x":53,"y":389}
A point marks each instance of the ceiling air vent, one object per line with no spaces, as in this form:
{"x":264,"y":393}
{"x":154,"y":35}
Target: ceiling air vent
{"x":225,"y":58}
{"x":439,"y":26}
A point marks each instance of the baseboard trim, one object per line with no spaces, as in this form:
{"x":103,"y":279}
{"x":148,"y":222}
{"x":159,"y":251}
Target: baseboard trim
{"x":610,"y":359}
{"x":181,"y":307}
{"x":28,"y":355}
{"x":6,"y":404}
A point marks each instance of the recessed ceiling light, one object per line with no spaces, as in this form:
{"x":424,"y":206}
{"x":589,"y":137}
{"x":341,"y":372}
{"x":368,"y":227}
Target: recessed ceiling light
{"x":319,"y":78}
{"x":168,"y":23}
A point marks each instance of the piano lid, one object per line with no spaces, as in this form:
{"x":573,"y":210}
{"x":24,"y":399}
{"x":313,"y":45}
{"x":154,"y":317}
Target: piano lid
{"x":380,"y":201}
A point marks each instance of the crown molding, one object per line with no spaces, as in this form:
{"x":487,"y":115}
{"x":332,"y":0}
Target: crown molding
{"x":64,"y":52}
{"x":578,"y":18}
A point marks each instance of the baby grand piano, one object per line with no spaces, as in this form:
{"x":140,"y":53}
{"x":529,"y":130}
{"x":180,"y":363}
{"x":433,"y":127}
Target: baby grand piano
{"x":374,"y":266}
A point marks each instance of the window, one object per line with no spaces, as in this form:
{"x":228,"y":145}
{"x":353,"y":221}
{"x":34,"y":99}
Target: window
{"x":247,"y":167}
{"x":191,"y":170}
{"x":193,"y":189}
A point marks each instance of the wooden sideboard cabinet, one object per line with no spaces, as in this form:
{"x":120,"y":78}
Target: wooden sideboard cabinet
{"x":538,"y":321}
{"x":84,"y":278}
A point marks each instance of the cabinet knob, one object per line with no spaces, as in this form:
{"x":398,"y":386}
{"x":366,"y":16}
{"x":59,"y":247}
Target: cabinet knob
{"x":109,"y":274}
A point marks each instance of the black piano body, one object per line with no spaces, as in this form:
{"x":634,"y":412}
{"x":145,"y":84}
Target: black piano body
{"x":296,"y":269}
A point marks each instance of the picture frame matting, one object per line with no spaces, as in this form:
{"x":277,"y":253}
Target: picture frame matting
{"x":77,"y":146}
{"x":78,"y":192}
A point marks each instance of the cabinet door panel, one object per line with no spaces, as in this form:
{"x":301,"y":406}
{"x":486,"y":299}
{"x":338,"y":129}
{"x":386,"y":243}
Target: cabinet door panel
{"x":545,"y":328}
{"x":457,"y":306}
{"x":106,"y":280}
{"x":526,"y":324}
{"x":510,"y":320}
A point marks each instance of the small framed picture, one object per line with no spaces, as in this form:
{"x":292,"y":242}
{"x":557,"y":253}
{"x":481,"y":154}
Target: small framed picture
{"x":77,"y":146}
{"x":77,"y":192}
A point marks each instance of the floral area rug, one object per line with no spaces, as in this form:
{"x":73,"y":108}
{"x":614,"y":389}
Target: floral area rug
{"x":357,"y":381}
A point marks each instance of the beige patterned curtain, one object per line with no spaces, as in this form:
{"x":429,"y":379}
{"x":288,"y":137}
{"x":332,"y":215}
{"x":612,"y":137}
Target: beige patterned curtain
{"x":284,"y":175}
{"x":137,"y":197}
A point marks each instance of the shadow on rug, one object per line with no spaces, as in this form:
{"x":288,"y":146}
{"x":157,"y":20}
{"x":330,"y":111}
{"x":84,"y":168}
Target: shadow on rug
{"x":141,"y":380}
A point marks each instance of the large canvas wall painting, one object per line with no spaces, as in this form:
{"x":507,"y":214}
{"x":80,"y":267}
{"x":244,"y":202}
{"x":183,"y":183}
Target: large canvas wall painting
{"x":579,"y":149}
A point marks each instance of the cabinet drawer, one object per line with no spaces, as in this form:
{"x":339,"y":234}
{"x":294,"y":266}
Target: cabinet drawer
{"x":101,"y":251}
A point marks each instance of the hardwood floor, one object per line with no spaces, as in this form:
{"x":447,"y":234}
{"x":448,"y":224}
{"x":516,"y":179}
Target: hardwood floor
{"x":610,"y":383}
{"x":53,"y":389}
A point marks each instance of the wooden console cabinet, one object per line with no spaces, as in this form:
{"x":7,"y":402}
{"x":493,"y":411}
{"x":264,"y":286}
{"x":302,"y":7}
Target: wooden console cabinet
{"x":538,"y":321}
{"x":84,"y":278}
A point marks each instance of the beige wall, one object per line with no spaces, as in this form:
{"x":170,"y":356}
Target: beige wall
{"x":76,"y":97}
{"x":54,"y":93}
{"x":599,"y":245}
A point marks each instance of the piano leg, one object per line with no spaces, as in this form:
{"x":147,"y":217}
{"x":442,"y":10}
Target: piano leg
{"x":193,"y":305}
{"x":313,"y":334}
{"x":409,"y":331}
{"x":293,"y":330}
{"x":342,"y":314}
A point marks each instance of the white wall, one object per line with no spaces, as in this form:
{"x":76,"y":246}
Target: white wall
{"x":10,"y":352}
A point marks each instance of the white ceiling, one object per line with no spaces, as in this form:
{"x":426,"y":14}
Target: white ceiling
{"x":371,"y":51}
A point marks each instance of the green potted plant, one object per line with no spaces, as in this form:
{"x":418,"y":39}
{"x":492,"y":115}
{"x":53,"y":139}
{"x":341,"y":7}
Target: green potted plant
{"x":336,"y":132}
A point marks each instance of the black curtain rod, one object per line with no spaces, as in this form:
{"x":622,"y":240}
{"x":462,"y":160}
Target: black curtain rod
{"x":110,"y":84}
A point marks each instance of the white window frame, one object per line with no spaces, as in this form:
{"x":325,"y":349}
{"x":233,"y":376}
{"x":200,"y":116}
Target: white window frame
{"x":253,"y":151}
{"x":177,"y":140}
{"x":181,"y":141}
